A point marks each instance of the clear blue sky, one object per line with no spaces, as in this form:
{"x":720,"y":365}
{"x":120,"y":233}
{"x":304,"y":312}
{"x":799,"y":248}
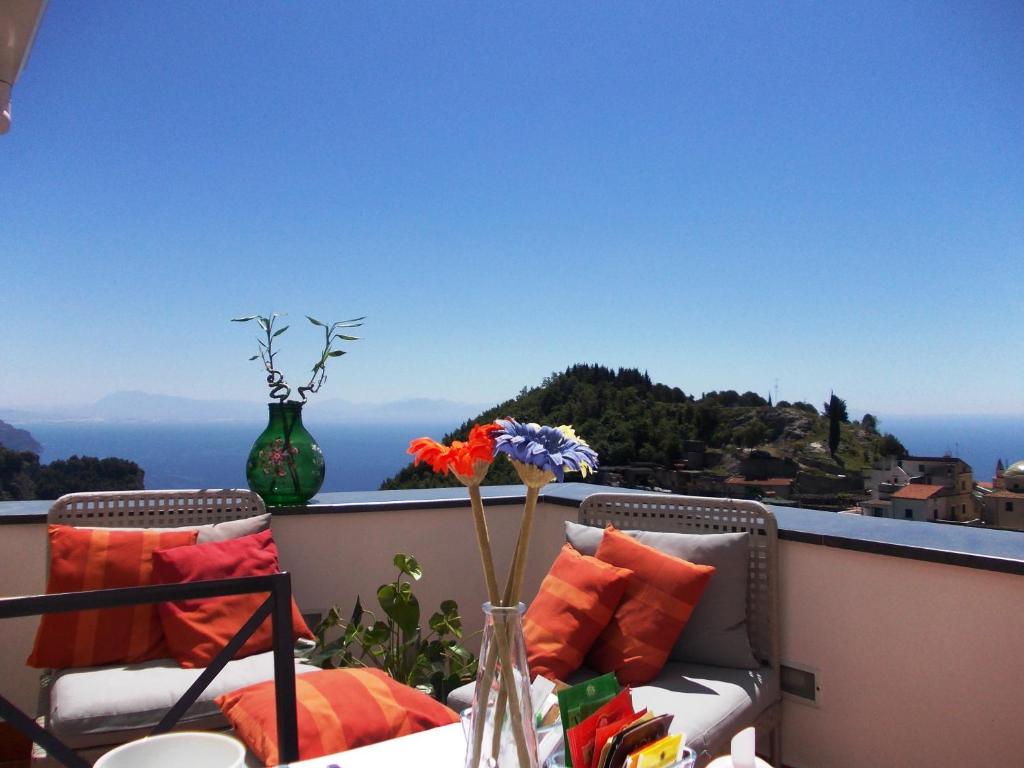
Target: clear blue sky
{"x":831,"y":195}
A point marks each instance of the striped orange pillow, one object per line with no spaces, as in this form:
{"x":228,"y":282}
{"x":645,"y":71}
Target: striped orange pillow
{"x":658,"y":602}
{"x":575,"y":603}
{"x":338,"y":709}
{"x":98,"y":558}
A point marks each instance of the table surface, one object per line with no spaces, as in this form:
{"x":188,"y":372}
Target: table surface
{"x":443,"y":747}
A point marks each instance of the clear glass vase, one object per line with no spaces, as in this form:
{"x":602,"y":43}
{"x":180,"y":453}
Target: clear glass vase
{"x":501,"y":729}
{"x":285,"y":464}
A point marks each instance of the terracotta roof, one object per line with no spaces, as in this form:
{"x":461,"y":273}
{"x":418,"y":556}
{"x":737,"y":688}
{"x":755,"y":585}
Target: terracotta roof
{"x":919,"y":491}
{"x":1002,"y":494}
{"x":771,"y":482}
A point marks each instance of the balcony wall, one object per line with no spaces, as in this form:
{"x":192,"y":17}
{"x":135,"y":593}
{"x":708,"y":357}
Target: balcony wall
{"x":914,"y":628}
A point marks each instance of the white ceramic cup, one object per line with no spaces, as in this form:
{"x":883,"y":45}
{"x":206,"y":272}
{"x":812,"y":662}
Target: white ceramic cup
{"x":193,"y":749}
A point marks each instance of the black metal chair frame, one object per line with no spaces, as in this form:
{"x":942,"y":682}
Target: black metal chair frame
{"x":277,"y":606}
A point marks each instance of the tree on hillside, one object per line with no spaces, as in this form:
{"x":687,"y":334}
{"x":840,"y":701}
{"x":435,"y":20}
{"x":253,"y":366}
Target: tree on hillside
{"x":890,"y":445}
{"x":835,"y":410}
{"x":869,"y":422}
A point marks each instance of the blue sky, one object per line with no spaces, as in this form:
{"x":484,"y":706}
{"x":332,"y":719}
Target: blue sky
{"x":723,"y":194}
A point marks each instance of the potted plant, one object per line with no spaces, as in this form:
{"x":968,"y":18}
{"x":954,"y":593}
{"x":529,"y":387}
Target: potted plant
{"x":285,"y":465}
{"x":436,"y":662}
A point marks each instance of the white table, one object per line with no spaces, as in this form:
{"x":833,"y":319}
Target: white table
{"x":443,"y":747}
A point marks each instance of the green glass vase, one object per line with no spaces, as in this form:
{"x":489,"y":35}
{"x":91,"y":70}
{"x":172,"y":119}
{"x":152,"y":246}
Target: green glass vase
{"x":285,"y":465}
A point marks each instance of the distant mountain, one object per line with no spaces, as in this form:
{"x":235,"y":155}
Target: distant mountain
{"x":144,"y":406}
{"x":16,"y":439}
{"x":134,"y":406}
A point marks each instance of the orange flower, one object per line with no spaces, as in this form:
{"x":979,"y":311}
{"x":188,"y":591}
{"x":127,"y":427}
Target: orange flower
{"x":460,"y":457}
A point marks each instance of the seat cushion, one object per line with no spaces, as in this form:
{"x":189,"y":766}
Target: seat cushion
{"x":108,"y":705}
{"x":710,"y":704}
{"x":229,"y":529}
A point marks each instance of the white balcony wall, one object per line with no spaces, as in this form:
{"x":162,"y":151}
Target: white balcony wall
{"x":919,"y":662}
{"x":332,"y":558}
{"x":335,"y":557}
{"x":22,"y":572}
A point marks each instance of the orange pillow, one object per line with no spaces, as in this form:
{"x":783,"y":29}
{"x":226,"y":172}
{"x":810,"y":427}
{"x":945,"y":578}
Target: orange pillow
{"x":338,"y":709}
{"x":196,"y":630}
{"x":97,"y":558}
{"x":659,"y":600}
{"x":575,"y":603}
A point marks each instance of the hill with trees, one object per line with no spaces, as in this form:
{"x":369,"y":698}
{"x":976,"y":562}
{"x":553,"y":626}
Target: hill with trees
{"x":23,"y":478}
{"x":634,"y":422}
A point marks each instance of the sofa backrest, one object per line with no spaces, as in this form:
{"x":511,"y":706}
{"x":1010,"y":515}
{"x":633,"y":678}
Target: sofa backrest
{"x":154,"y":509}
{"x":700,"y":515}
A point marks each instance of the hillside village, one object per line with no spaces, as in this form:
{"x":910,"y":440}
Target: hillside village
{"x":731,"y":445}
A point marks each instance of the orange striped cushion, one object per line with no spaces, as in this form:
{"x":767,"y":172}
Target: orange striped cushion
{"x":658,"y":602}
{"x":575,"y":603}
{"x":97,"y":558}
{"x":338,"y":709}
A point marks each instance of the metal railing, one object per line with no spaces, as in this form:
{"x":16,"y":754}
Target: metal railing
{"x":277,"y":606}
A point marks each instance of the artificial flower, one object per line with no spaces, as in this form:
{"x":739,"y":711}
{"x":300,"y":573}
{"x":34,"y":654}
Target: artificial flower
{"x":463,"y":458}
{"x":549,"y":449}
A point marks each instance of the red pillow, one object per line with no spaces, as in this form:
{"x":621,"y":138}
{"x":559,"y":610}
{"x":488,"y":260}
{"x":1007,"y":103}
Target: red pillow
{"x":575,"y":603}
{"x":196,"y":630}
{"x":96,"y":558}
{"x":659,"y":600}
{"x":338,"y":709}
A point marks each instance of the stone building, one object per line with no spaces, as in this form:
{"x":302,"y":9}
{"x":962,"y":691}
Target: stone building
{"x":1004,"y":506}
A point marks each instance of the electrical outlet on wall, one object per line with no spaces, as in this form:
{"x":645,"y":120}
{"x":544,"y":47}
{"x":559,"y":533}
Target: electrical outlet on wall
{"x":801,"y":683}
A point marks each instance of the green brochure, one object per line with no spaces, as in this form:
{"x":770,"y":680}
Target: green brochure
{"x":581,"y":701}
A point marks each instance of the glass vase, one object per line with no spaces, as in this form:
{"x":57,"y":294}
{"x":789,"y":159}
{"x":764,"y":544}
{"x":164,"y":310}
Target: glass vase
{"x":285,"y":465}
{"x":501,"y":730}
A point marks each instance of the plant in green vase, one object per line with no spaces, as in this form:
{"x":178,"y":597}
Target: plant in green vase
{"x":436,"y":663}
{"x":285,"y":464}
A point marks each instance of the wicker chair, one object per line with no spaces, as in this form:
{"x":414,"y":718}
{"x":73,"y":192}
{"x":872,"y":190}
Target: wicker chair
{"x":141,"y":509}
{"x":693,"y":514}
{"x":154,"y":509}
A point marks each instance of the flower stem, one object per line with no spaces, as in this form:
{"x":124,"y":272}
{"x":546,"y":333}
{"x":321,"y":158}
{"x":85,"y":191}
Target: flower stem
{"x":499,"y":648}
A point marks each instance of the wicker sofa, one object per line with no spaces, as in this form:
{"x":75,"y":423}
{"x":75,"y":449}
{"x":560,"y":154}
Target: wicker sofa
{"x":710,"y":703}
{"x":94,"y":708}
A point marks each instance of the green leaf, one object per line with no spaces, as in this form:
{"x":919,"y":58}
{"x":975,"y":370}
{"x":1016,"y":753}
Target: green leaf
{"x":243,"y":319}
{"x":353,"y":323}
{"x":314,"y":321}
{"x":357,"y":612}
{"x":438,"y":623}
{"x":254,"y":357}
{"x":409,"y":566}
{"x":336,"y":353}
{"x":279,"y":332}
{"x":401,"y":606}
{"x":343,"y":337}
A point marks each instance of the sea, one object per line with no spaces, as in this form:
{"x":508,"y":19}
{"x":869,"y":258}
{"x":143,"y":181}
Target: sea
{"x":358,"y":456}
{"x":361,"y":456}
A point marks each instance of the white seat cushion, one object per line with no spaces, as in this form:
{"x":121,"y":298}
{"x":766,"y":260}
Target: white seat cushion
{"x":708,"y":703}
{"x":108,"y":705}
